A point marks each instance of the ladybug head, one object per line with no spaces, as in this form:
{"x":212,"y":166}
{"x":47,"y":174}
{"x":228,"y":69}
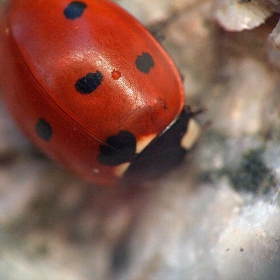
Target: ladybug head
{"x":166,"y":151}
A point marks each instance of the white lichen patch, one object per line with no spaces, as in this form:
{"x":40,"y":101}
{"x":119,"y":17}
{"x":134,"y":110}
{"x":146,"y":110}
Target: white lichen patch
{"x":237,"y":15}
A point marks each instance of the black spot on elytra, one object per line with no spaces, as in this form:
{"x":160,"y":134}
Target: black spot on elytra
{"x":144,"y":62}
{"x":89,"y":83}
{"x":118,"y":149}
{"x":43,"y":129}
{"x":75,"y":10}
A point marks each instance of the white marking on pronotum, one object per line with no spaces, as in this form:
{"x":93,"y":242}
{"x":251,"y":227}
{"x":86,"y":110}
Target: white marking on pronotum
{"x":140,"y":146}
{"x":192,"y":134}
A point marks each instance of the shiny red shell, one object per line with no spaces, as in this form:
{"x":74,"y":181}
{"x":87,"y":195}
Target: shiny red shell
{"x":72,"y":82}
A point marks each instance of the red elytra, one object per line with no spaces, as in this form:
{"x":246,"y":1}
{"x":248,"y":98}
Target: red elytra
{"x":91,"y":87}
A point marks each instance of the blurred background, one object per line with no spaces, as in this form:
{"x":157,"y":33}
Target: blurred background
{"x":215,"y":217}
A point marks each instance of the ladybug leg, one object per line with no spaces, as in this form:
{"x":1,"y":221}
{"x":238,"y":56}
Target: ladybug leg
{"x":196,"y":112}
{"x":157,"y":30}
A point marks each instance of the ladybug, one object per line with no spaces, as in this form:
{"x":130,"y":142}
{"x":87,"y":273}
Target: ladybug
{"x":91,"y":87}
